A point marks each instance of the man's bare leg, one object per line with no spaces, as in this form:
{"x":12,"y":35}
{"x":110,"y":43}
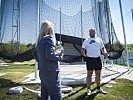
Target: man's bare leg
{"x":88,"y":81}
{"x":98,"y":77}
{"x":89,"y":78}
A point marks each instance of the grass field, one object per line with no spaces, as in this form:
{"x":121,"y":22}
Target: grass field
{"x":15,"y":72}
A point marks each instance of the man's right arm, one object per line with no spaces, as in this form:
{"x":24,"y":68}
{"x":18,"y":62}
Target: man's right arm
{"x":83,"y":52}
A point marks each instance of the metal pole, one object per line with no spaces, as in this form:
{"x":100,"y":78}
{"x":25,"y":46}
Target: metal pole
{"x":60,"y":24}
{"x":12,"y":22}
{"x":38,"y":30}
{"x":82,"y":35}
{"x":124,"y":33}
{"x":16,"y":24}
{"x":96,"y":13}
{"x":81,"y":25}
{"x":132,"y":14}
{"x":19,"y":4}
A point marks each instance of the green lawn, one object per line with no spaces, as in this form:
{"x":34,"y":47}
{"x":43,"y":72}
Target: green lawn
{"x":121,"y":90}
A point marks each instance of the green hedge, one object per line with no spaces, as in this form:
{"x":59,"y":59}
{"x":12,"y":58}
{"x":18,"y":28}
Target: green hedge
{"x":14,"y":48}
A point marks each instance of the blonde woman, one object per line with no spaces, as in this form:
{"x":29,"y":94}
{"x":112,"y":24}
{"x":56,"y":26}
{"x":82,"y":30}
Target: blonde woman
{"x":48,"y":63}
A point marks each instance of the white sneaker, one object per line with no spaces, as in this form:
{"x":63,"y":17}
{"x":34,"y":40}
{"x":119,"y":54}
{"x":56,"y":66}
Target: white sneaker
{"x":89,"y":92}
{"x":102,"y":91}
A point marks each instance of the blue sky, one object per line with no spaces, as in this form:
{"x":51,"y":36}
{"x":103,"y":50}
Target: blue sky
{"x":127,"y":5}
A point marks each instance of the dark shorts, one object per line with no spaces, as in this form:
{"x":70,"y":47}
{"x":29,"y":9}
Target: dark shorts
{"x":93,"y":63}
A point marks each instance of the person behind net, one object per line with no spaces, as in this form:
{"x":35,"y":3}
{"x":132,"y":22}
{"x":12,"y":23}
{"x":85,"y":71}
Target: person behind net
{"x":48,"y":63}
{"x":91,"y":50}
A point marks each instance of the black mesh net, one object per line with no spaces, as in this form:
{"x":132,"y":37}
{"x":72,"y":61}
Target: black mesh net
{"x":21,"y":19}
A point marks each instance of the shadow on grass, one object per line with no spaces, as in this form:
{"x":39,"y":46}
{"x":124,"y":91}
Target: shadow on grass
{"x":9,"y":83}
{"x":85,"y":97}
{"x":77,"y":90}
{"x":6,"y":82}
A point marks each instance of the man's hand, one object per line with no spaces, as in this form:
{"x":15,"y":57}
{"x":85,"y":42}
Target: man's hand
{"x":83,"y":52}
{"x":62,"y":52}
{"x":106,"y":55}
{"x":104,"y":51}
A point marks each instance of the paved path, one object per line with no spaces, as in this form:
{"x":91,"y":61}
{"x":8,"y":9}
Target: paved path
{"x":76,"y":74}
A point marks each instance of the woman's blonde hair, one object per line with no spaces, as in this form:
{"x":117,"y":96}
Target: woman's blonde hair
{"x":45,"y":27}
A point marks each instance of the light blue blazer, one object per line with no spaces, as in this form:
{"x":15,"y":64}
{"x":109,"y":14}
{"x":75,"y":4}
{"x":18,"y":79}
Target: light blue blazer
{"x":45,"y":56}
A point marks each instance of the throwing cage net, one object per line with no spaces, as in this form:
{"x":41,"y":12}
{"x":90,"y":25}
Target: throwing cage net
{"x":20,"y":21}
